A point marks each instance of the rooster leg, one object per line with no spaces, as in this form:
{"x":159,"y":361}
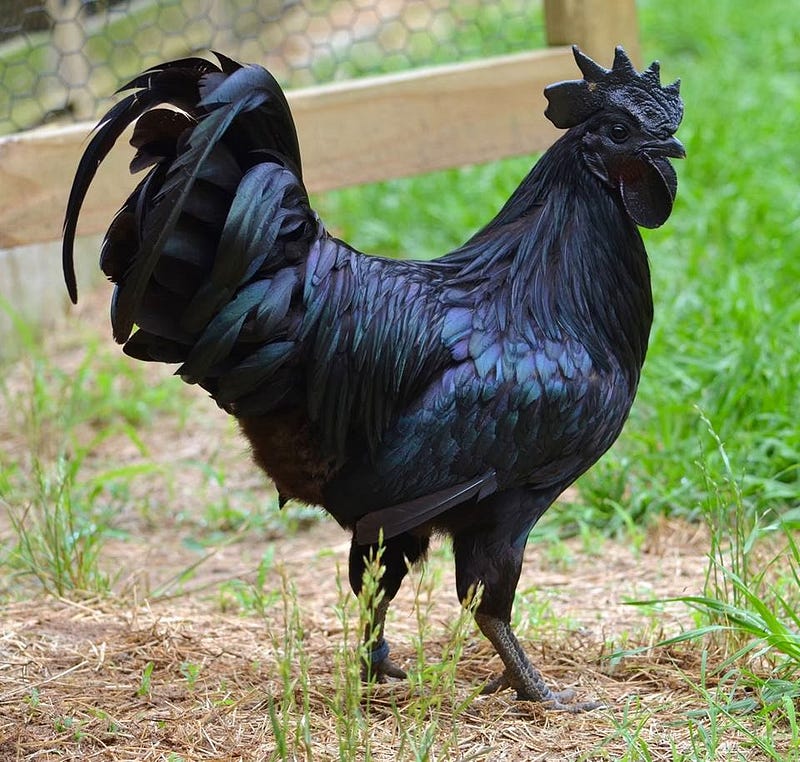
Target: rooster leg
{"x":379,"y":666}
{"x":397,"y":554}
{"x":520,"y":674}
{"x":491,"y":556}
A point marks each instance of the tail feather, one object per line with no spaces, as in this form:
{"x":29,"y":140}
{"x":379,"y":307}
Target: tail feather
{"x":250,"y":231}
{"x":164,"y":216}
{"x":176,"y":83}
{"x":269,"y":126}
{"x":256,"y":369}
{"x":219,"y":337}
{"x":153,"y":347}
{"x":155,"y":137}
{"x":197,"y":200}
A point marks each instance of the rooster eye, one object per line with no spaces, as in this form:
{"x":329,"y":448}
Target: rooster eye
{"x":619,"y":133}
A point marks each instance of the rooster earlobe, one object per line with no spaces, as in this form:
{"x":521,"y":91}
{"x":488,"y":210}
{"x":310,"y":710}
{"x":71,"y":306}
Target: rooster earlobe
{"x":649,"y":194}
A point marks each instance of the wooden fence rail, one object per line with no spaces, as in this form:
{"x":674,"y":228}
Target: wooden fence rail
{"x":355,"y":132}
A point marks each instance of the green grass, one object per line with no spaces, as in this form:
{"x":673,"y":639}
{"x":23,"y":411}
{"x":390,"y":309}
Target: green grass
{"x":427,"y":722}
{"x":725,"y":266}
{"x":65,"y":489}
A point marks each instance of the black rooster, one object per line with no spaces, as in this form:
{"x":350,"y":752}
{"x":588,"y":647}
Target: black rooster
{"x":459,"y":396}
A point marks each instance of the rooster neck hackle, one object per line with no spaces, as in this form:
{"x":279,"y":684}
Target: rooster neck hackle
{"x":564,"y":254}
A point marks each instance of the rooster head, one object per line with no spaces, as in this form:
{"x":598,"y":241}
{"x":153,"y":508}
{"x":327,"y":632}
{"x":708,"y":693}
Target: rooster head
{"x":626,"y":121}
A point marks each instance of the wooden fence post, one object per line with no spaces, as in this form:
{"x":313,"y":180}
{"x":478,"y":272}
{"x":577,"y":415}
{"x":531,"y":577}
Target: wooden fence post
{"x":596,"y":26}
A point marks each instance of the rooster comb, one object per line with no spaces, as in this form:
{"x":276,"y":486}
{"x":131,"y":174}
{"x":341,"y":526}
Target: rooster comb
{"x":657,"y":108}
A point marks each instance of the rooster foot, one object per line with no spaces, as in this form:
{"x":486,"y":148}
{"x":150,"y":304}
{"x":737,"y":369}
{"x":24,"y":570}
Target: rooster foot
{"x":521,"y":675}
{"x":501,"y":682}
{"x":558,"y":700}
{"x":379,"y":667}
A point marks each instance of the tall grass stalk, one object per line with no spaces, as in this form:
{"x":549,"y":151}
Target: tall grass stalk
{"x":290,"y":720}
{"x":734,"y":529}
{"x":57,"y":543}
{"x":350,"y":655}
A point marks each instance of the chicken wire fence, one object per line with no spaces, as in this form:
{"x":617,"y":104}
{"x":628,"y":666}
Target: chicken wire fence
{"x":60,"y":60}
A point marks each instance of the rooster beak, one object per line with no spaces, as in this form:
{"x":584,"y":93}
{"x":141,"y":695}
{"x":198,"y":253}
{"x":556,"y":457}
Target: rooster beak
{"x":671,"y":147}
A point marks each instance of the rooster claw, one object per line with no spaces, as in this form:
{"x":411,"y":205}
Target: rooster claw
{"x":499,"y":683}
{"x":578,"y":708}
{"x":568,"y":694}
{"x":381,"y":671}
{"x":558,"y":701}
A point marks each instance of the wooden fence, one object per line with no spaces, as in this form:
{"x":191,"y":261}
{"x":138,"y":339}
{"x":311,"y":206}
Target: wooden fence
{"x":354,"y":132}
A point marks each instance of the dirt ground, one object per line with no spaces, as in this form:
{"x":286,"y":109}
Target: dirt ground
{"x":84,"y":661}
{"x":190,"y":675}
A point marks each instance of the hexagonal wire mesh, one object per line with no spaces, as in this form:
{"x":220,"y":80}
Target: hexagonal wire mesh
{"x":62,"y":59}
